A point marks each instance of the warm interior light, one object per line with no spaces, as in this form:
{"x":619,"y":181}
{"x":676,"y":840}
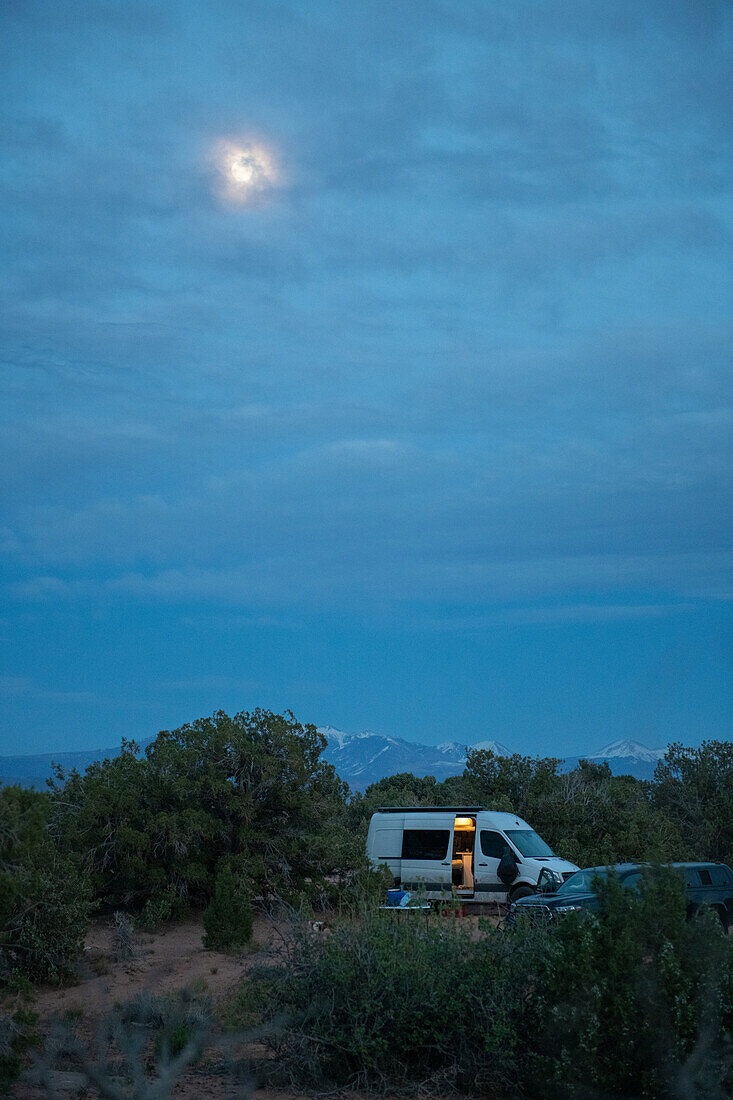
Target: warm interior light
{"x":464,"y":822}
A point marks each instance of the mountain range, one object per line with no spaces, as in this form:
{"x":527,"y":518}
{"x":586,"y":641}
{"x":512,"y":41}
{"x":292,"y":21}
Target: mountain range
{"x":360,"y":758}
{"x":364,"y":758}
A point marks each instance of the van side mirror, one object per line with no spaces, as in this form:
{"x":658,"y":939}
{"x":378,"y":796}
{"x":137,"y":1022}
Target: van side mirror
{"x":549,"y":882}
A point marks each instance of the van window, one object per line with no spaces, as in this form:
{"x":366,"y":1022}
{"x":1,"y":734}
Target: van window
{"x":529,"y":843}
{"x":387,"y":843}
{"x":425,"y":843}
{"x":705,"y":877}
{"x":493,"y":844}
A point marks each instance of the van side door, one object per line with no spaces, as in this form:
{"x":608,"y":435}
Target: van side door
{"x":427,"y":847}
{"x":490,"y":847}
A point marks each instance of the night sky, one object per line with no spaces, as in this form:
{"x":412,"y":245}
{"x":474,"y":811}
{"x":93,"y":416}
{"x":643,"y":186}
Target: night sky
{"x":370,"y":360}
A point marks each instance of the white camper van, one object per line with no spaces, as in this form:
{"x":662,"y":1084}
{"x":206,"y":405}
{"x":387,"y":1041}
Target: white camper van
{"x":457,"y":850}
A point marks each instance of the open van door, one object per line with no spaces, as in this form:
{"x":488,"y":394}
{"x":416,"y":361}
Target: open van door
{"x":427,"y":853}
{"x":490,"y":847}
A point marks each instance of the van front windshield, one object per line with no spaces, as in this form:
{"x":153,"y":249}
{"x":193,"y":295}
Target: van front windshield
{"x":528,"y":843}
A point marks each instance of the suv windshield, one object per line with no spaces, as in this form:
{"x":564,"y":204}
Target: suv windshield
{"x":582,"y":881}
{"x":528,"y":843}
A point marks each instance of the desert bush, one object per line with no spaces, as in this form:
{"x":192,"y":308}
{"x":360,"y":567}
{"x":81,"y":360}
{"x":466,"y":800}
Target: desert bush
{"x":380,"y":1003}
{"x":636,"y":1001}
{"x":139,"y":1052}
{"x":401,"y":789}
{"x":44,"y":895}
{"x":633,"y":1002}
{"x":228,"y":917}
{"x":174,"y":1020}
{"x":17,"y":1036}
{"x":162,"y":906}
{"x":123,"y":938}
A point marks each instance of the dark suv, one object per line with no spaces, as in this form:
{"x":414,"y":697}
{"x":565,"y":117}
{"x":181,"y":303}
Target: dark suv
{"x":708,"y":884}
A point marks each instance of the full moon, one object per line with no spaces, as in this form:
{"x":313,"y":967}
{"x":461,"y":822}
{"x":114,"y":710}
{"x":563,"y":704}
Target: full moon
{"x":241,"y":171}
{"x":247,"y":171}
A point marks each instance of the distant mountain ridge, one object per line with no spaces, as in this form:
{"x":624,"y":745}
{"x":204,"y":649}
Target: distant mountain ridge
{"x":360,"y":758}
{"x":364,"y":758}
{"x":33,"y":771}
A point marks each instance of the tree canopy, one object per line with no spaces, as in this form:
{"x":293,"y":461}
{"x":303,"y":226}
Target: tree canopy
{"x":252,"y":787}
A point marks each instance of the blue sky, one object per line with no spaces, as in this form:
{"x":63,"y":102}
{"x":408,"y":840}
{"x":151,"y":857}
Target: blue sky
{"x":431,"y":433}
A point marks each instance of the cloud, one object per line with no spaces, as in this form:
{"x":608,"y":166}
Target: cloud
{"x":210,"y":683}
{"x":562,"y":615}
{"x":400,"y":579}
{"x":24,"y":686}
{"x":474,"y":350}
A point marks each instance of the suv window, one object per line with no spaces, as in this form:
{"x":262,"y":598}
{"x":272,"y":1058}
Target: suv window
{"x":705,"y":878}
{"x":493,"y":844}
{"x":425,"y":843}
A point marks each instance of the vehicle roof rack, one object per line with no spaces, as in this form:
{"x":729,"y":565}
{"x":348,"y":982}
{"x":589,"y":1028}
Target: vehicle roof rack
{"x":430,"y":809}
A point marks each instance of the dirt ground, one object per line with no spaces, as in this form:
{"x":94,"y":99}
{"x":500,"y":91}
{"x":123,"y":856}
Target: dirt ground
{"x":168,"y":961}
{"x":164,"y":962}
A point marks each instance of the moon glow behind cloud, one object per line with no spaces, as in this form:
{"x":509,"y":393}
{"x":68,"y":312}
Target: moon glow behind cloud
{"x":247,"y":171}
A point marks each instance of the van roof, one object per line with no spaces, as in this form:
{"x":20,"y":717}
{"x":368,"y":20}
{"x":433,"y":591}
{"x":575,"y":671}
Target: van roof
{"x":430,"y":809}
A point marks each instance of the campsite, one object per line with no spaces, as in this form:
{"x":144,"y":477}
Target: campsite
{"x":212,"y":914}
{"x":366,"y":567}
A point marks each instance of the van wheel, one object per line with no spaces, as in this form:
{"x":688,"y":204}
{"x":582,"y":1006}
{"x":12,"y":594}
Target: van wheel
{"x":520,"y":892}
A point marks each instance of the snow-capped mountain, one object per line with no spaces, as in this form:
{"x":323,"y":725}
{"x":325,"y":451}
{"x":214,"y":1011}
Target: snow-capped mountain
{"x":628,"y":750}
{"x":453,"y":750}
{"x":625,"y":757}
{"x":492,"y":746}
{"x":340,"y":738}
{"x":364,"y":758}
{"x":457,"y":750}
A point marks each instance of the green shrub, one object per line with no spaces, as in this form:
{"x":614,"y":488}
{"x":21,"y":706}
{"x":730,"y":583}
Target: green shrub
{"x":160,"y":907}
{"x":362,"y":887}
{"x":379,"y":1003}
{"x":228,"y":917}
{"x":694,"y":788}
{"x":636,"y":1001}
{"x":44,"y":895}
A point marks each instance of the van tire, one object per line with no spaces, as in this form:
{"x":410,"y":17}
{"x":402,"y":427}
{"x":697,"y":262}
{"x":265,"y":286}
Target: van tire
{"x":520,"y":892}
